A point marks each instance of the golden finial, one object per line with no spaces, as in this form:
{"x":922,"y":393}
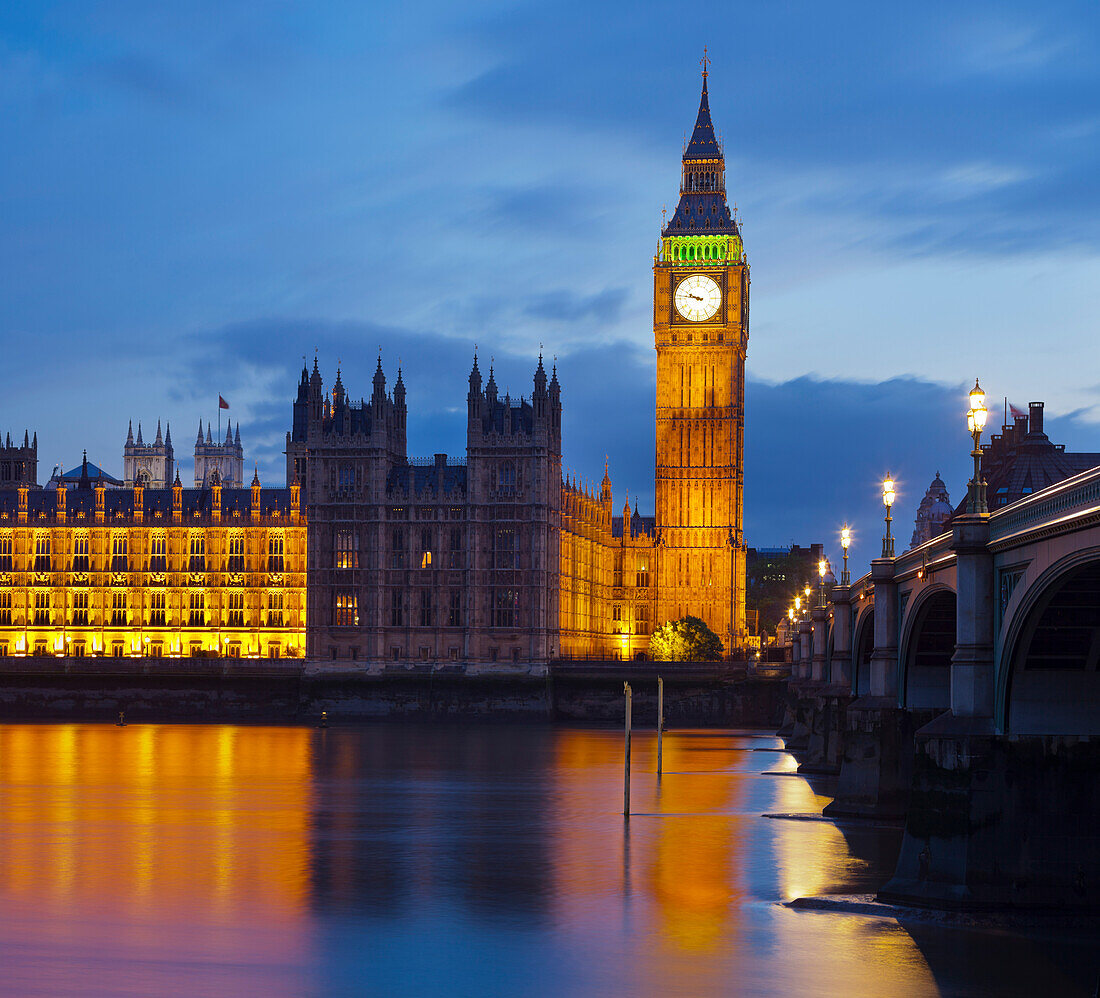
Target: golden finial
{"x":704,"y":62}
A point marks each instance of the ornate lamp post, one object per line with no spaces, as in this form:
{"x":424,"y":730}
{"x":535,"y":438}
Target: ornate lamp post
{"x":888,"y":496}
{"x":975,"y":422}
{"x":822,"y":568}
{"x":845,"y":540}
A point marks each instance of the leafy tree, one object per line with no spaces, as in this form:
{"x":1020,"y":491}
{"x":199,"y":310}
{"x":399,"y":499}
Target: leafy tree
{"x":685,"y":640}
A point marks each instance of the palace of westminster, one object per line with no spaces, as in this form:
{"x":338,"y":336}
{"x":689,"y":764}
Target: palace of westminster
{"x":369,"y":555}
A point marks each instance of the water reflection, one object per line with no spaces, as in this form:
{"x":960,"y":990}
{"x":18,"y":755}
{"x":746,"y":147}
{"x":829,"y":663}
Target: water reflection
{"x":419,"y":859}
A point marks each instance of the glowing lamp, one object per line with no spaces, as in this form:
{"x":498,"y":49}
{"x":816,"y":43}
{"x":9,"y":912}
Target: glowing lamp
{"x":845,"y":537}
{"x":978,"y":413}
{"x":798,"y":602}
{"x":888,"y":492}
{"x":821,"y":566}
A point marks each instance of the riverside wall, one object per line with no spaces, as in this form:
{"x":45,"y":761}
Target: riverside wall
{"x":222,"y":690}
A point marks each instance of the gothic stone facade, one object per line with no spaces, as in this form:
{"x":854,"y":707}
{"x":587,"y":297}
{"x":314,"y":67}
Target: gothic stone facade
{"x":430,"y":559}
{"x":153,"y":465}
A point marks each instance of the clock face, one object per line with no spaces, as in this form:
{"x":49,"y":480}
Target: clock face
{"x":697,"y":297}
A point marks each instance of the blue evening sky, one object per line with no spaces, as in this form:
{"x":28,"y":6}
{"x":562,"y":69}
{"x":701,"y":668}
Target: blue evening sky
{"x":194,"y":196}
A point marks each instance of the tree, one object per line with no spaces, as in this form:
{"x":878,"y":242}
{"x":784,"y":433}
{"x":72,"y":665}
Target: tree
{"x":685,"y":640}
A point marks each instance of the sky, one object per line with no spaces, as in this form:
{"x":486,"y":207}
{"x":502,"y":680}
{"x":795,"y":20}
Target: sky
{"x":195,"y":197}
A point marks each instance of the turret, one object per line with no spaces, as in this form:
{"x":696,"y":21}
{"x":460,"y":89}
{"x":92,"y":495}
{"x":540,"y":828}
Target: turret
{"x":100,"y":501}
{"x":177,"y":499}
{"x":256,"y":494}
{"x":198,"y":440}
{"x":473,"y":399}
{"x":62,"y":495}
{"x":130,"y":434}
{"x":216,"y":496}
{"x":159,"y":441}
{"x":379,"y":395}
{"x":139,"y":502}
{"x":140,"y":442}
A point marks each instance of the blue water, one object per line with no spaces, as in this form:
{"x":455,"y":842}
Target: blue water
{"x":400,"y":859}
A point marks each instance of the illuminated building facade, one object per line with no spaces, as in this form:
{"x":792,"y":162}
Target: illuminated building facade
{"x":701,"y":332}
{"x":171,"y":572}
{"x":607,"y":578}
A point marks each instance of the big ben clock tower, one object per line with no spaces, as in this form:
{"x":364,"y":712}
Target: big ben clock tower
{"x":701,"y":333}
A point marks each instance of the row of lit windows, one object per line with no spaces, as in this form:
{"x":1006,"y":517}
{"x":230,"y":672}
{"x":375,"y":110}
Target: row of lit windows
{"x":505,"y":554}
{"x":503,"y":607}
{"x":79,"y":648}
{"x":158,"y":562}
{"x":118,"y":614}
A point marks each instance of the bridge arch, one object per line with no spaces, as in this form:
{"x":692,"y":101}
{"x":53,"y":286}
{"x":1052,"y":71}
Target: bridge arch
{"x":863,"y":647}
{"x":927,"y":644}
{"x":1048,"y":681}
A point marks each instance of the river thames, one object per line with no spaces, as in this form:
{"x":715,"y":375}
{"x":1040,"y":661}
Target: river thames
{"x":468,"y":860}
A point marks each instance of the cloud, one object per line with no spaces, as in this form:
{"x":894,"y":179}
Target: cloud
{"x":566,"y":306}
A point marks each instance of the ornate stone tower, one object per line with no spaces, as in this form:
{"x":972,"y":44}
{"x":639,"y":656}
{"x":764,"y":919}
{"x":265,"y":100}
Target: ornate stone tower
{"x":701,"y":333}
{"x":149,"y":465}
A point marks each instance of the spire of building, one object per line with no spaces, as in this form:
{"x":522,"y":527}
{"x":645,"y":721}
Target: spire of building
{"x":199,"y":439}
{"x":256,"y":476}
{"x":130,"y":434}
{"x":702,"y":209}
{"x":140,"y":442}
{"x":167,"y":434}
{"x":237,"y":435}
{"x":160,"y":439}
{"x":703,"y":144}
{"x":228,"y":432}
{"x":491,"y":385}
{"x":379,"y":382}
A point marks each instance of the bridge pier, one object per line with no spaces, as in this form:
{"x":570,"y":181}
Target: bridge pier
{"x":877,"y":759}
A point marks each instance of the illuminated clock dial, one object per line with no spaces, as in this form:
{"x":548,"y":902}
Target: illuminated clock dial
{"x":697,"y":297}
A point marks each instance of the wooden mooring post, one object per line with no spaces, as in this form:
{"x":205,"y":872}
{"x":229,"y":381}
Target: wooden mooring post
{"x":626,"y":757}
{"x":660,"y":719}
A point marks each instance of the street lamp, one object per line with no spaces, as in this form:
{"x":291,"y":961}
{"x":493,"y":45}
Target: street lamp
{"x":798,"y":603}
{"x":888,"y":496}
{"x":822,"y":568}
{"x":845,"y":540}
{"x":975,"y":422}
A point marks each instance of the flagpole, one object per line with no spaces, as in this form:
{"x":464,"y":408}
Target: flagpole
{"x":219,"y":417}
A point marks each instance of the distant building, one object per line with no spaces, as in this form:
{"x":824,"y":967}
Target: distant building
{"x":1021,"y":460}
{"x":227,"y":458}
{"x":933,"y":514}
{"x":775,"y":575}
{"x":150,"y":465}
{"x":19,"y":465}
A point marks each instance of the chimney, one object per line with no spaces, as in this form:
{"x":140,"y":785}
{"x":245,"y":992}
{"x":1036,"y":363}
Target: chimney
{"x":1035,"y":418}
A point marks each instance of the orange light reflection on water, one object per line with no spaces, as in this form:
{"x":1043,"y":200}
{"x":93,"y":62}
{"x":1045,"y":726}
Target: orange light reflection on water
{"x":155,"y":839}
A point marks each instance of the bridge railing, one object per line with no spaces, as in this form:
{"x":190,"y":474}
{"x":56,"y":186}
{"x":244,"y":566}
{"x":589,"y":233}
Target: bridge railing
{"x":1064,"y":501}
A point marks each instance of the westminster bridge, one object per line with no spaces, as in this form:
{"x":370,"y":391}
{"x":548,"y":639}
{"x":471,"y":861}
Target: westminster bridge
{"x":958,"y":684}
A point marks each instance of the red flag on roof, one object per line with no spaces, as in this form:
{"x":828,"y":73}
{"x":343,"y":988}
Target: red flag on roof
{"x":222,"y":404}
{"x":1015,"y":412}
